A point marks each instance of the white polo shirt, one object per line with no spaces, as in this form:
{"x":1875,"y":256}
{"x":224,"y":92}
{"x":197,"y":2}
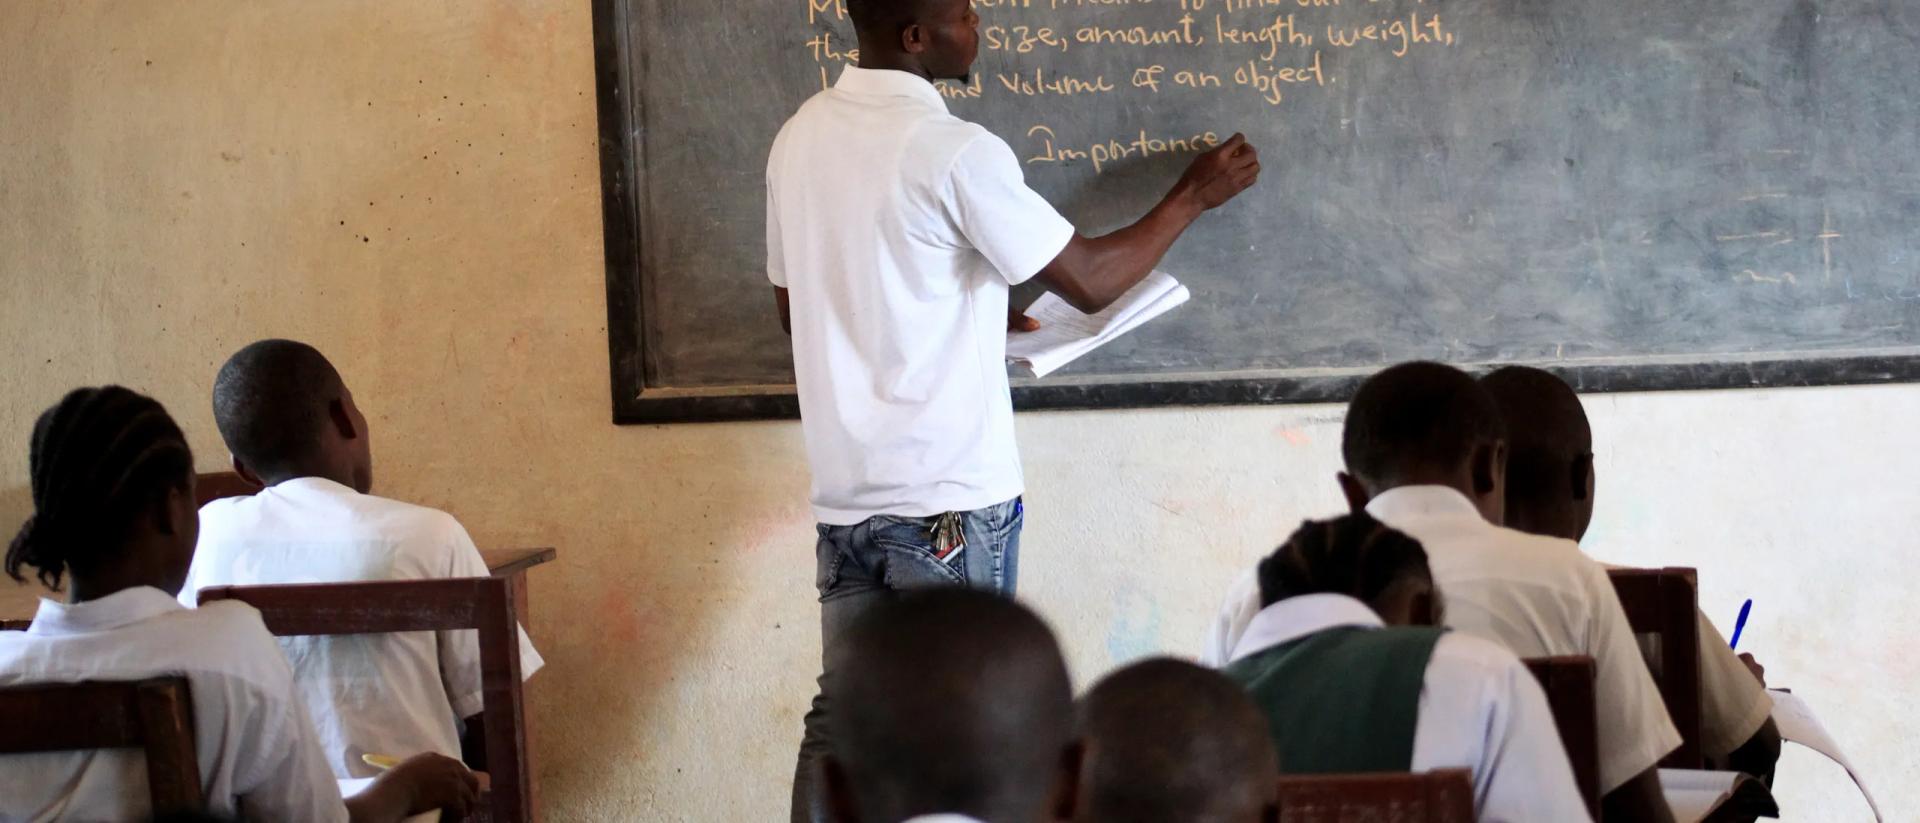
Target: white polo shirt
{"x":257,"y":755}
{"x":897,"y":229}
{"x":1480,"y":710}
{"x":1537,"y":596}
{"x":391,"y":694}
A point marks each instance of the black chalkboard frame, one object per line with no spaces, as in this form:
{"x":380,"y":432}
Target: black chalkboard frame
{"x":636,"y":401}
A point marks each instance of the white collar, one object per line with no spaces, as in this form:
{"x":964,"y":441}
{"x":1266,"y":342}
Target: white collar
{"x":889,"y":83}
{"x":311,"y":484}
{"x":122,"y":608}
{"x":1297,"y":617}
{"x":1408,"y":502}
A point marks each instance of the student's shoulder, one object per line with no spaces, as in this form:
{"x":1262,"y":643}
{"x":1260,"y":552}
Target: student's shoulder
{"x":1466,"y":655}
{"x":413,"y":518}
{"x":230,"y":638}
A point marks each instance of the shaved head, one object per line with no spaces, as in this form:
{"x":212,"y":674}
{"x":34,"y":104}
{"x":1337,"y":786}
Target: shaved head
{"x":1424,"y":424}
{"x":947,"y":701}
{"x":284,"y":412}
{"x":1549,"y":451}
{"x":1172,"y":742}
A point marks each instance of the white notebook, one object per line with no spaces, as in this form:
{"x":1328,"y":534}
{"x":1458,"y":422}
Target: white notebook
{"x":1065,"y":334}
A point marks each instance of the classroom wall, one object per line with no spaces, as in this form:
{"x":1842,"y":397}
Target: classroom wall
{"x":413,"y":187}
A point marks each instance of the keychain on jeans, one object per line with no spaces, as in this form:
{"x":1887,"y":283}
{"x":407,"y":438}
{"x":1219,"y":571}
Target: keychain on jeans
{"x":949,"y":536}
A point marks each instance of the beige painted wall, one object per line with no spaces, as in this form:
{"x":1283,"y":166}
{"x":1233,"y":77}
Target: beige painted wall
{"x":412,"y":186}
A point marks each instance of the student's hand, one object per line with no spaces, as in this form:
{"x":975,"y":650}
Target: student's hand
{"x":1016,"y":321}
{"x":1759,"y":671}
{"x":1221,"y":174}
{"x":434,"y":781}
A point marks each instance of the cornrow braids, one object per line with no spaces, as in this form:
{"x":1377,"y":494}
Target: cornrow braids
{"x":1354,"y":555}
{"x":98,"y":459}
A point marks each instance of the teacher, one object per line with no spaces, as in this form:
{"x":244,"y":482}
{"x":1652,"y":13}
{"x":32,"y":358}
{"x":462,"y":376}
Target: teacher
{"x":894,"y":231}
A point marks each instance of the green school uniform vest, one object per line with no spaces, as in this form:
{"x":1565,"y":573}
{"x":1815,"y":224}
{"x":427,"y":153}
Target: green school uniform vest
{"x":1343,"y":700}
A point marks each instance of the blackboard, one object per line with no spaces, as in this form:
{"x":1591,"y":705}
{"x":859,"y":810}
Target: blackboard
{"x":1639,"y":194}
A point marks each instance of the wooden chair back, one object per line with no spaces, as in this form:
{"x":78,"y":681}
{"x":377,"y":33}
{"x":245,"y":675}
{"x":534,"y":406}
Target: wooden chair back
{"x":1444,"y":796}
{"x":1568,"y":682}
{"x":12,"y":624}
{"x":1665,"y":603}
{"x":483,"y":603}
{"x":153,"y":715}
{"x":217,"y":485}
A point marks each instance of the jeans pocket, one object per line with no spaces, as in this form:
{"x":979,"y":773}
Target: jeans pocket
{"x":827,"y":559}
{"x":903,"y":546}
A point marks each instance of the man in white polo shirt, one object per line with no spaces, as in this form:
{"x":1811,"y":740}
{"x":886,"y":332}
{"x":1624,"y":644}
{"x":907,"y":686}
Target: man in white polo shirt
{"x":1425,"y":453}
{"x":894,"y":231}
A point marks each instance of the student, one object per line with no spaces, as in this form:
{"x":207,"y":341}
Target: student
{"x":292,"y":426}
{"x":1550,"y":491}
{"x":951,"y":705}
{"x":1172,"y":742}
{"x":894,"y":232}
{"x":1345,"y":662}
{"x":1425,"y":453}
{"x":112,"y":485}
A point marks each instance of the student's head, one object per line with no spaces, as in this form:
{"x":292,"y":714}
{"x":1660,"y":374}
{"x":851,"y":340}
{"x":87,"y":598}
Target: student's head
{"x":949,"y":701}
{"x":1424,"y":424}
{"x":112,"y":485}
{"x":1550,"y":480}
{"x":937,"y":39}
{"x":1361,"y":558}
{"x":285,"y":413}
{"x":1172,"y":742}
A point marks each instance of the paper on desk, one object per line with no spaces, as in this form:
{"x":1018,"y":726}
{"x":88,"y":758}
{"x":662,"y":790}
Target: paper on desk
{"x":1065,"y":334}
{"x":1693,"y":794}
{"x":1796,"y":722}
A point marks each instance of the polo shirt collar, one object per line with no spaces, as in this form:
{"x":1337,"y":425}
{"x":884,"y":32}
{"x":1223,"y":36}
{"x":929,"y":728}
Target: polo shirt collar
{"x":889,"y":83}
{"x":1407,"y":502}
{"x":311,"y":485}
{"x":1297,"y":617}
{"x":122,"y":608}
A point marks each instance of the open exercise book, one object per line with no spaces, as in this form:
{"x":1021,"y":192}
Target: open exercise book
{"x":1065,"y":334}
{"x":1798,"y":724}
{"x":1702,"y":796}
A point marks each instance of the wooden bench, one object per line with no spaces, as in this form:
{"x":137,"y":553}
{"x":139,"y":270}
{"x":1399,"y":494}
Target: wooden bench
{"x":1664,"y":603}
{"x":1444,"y":796}
{"x":1568,"y":682}
{"x":483,"y":603}
{"x":153,"y":715}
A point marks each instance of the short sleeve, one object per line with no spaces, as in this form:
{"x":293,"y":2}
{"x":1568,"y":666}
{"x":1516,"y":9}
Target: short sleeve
{"x":460,"y":650}
{"x":1733,"y":703}
{"x":1482,"y":710}
{"x":1224,"y":633}
{"x":1010,"y":224}
{"x":776,"y":260}
{"x":1635,"y":731}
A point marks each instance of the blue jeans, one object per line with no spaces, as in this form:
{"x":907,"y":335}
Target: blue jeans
{"x":865,"y":564}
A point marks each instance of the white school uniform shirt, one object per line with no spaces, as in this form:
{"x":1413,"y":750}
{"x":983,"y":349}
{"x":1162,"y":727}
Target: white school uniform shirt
{"x":897,"y":230}
{"x":257,"y":755}
{"x":392,"y":694}
{"x":1480,"y":709}
{"x":1537,"y":596}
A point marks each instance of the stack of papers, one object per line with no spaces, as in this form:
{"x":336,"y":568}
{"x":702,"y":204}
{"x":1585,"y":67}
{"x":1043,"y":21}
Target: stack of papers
{"x":1065,"y":334}
{"x":1698,"y":795}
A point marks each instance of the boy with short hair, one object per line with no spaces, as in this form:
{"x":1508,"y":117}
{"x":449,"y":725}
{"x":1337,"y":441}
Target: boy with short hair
{"x":1550,"y":491}
{"x":292,"y":427}
{"x":1172,"y":742}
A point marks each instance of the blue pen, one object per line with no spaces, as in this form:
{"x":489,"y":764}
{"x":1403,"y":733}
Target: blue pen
{"x":1740,"y":622}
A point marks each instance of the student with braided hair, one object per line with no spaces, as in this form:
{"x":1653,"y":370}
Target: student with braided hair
{"x":112,"y":483}
{"x":1345,"y":659}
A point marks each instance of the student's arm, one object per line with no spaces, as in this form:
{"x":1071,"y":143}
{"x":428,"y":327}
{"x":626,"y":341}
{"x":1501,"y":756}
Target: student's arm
{"x":1091,"y":273}
{"x":1759,"y":755}
{"x":473,"y":743}
{"x":1637,"y":801}
{"x":420,"y":784}
{"x":786,"y":309}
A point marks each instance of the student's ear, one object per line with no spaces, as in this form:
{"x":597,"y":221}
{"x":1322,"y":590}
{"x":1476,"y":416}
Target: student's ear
{"x":342,"y":419}
{"x":1355,"y":492}
{"x":1580,"y":475}
{"x":1066,"y":791}
{"x":247,"y":474}
{"x":913,"y":38}
{"x":838,"y":791}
